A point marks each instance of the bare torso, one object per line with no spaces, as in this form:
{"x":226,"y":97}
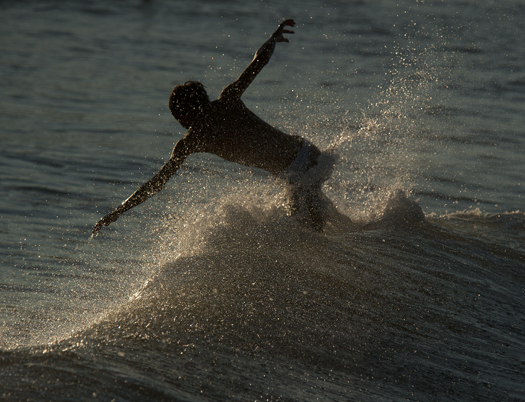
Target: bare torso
{"x":230,"y":130}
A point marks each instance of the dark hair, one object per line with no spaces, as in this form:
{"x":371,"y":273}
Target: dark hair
{"x":187,"y":100}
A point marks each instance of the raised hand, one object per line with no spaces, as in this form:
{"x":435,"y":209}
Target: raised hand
{"x":105,"y":221}
{"x":278,"y":34}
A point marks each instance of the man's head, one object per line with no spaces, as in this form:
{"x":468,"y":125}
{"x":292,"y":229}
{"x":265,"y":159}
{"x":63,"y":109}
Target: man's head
{"x":187,"y":101}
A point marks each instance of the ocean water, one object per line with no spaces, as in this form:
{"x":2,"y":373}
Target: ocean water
{"x":209,"y":290}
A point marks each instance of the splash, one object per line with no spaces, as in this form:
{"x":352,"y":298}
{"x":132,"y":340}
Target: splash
{"x":388,"y":146}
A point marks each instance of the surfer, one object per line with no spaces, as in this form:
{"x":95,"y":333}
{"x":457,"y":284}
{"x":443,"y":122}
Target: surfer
{"x":225,"y":127}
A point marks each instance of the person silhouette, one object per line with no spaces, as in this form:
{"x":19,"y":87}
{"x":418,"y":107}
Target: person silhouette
{"x":227,"y":128}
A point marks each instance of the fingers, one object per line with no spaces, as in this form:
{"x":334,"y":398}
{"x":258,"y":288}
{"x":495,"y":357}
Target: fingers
{"x":290,"y":23}
{"x":280,"y":31}
{"x":96,"y":229}
{"x":105,"y":221}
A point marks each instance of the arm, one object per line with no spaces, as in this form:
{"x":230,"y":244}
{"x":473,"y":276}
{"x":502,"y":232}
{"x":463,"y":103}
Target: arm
{"x":151,"y":187}
{"x":262,"y":57}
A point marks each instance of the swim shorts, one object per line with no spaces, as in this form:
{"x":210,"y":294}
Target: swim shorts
{"x":309,"y":168}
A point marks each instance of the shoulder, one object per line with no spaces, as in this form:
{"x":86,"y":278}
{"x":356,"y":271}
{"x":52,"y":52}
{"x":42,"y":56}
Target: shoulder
{"x":231,"y":92}
{"x":196,"y":139}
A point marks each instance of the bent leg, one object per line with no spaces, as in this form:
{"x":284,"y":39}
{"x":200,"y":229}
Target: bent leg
{"x":312,"y":208}
{"x":308,"y":205}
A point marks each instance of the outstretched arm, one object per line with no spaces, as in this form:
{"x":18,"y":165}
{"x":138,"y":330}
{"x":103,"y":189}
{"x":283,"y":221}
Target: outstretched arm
{"x":262,"y":57}
{"x":151,"y":187}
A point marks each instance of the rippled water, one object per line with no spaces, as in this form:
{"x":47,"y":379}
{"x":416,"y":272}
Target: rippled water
{"x":210,"y":291}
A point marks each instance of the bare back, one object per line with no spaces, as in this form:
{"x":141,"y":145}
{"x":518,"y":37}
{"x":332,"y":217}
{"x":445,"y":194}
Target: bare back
{"x":230,"y":130}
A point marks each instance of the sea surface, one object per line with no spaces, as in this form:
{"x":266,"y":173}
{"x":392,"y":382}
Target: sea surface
{"x":210,"y":291}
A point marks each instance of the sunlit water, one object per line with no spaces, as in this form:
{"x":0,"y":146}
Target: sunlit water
{"x":210,"y":291}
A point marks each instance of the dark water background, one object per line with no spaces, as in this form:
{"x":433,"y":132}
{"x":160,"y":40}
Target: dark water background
{"x":210,"y":291}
